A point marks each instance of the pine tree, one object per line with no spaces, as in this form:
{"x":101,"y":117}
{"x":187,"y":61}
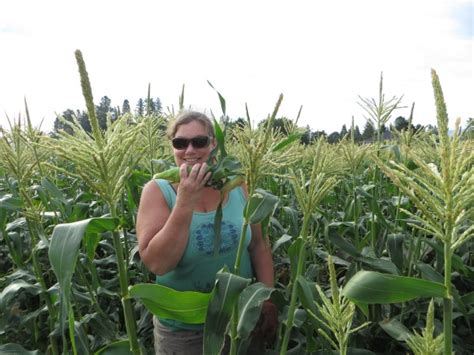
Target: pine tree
{"x":343,"y":132}
{"x":125,"y":106}
{"x":369,"y":131}
{"x":140,"y":107}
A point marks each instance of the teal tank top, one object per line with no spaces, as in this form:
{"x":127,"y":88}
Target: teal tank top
{"x":196,"y":271}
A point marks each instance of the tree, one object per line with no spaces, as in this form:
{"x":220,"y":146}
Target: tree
{"x":140,"y":107}
{"x":318,"y":134}
{"x":343,"y":132}
{"x":102,"y":110}
{"x":334,"y":137}
{"x":400,"y":123}
{"x":158,"y":106}
{"x":369,"y":131}
{"x":125,"y":106}
{"x":149,"y":105}
{"x":306,"y":136}
{"x":83,"y":119}
{"x":283,"y":124}
{"x":357,"y":135}
{"x":68,"y":115}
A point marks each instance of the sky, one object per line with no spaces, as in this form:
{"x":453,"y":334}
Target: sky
{"x":321,"y":55}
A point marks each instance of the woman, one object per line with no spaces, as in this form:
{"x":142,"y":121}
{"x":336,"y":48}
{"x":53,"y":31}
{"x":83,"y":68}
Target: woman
{"x":175,"y":232}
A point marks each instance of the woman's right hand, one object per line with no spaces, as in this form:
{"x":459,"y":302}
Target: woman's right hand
{"x":191,"y":183}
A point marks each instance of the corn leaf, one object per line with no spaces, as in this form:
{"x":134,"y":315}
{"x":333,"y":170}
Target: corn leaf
{"x":395,"y":329}
{"x":221,"y":98}
{"x":288,"y":140}
{"x":260,"y":205}
{"x":11,"y":203}
{"x":220,"y":138}
{"x":250,"y":305}
{"x":376,"y":288}
{"x":395,"y":249}
{"x":121,"y":347}
{"x":164,"y":302}
{"x":16,"y":349}
{"x":223,"y":298}
{"x":63,"y":253}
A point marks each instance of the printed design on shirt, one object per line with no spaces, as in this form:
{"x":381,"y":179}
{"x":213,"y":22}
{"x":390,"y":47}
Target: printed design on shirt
{"x":204,"y":238}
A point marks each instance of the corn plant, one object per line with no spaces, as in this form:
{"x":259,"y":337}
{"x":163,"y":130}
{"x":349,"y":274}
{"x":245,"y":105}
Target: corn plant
{"x":21,"y":160}
{"x":309,"y":191}
{"x":379,"y":111}
{"x":261,"y":152}
{"x":336,"y":313}
{"x":426,"y":343}
{"x":443,"y":195}
{"x":103,"y":161}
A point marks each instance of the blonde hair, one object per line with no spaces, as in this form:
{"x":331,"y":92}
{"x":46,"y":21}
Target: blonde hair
{"x":186,"y":117}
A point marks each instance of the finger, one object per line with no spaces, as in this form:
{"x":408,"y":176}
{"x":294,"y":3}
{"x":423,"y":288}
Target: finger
{"x":206,"y":177}
{"x":194,"y":171}
{"x":202,"y":172}
{"x":183,"y":171}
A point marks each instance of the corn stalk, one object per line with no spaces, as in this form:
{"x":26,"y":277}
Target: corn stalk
{"x":443,"y":195}
{"x":262,"y":152}
{"x":20,"y":159}
{"x":103,"y":161}
{"x":309,"y":192}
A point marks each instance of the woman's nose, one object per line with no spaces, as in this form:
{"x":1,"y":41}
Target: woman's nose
{"x":190,"y":148}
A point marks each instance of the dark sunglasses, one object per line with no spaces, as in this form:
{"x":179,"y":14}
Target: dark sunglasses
{"x":197,"y":142}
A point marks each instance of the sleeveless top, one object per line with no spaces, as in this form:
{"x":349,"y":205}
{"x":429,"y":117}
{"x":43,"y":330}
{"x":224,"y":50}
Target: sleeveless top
{"x":196,"y":271}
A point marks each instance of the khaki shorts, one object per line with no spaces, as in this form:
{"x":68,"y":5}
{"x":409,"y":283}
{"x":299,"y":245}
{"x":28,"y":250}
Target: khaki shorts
{"x":181,"y":342}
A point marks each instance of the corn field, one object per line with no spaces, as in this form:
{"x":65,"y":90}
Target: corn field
{"x":372,"y":243}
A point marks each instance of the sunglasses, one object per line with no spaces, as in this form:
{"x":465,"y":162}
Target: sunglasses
{"x":197,"y":142}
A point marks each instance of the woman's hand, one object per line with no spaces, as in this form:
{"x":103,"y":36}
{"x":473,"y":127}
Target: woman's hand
{"x":191,"y":183}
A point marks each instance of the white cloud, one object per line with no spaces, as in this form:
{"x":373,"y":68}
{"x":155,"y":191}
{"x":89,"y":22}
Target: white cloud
{"x":321,"y":56}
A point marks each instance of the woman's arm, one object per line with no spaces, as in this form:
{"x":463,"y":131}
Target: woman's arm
{"x":163,"y":234}
{"x":261,"y":256}
{"x":260,"y":253}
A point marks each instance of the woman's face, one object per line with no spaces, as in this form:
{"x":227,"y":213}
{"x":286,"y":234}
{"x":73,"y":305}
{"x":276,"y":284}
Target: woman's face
{"x":192,"y":155}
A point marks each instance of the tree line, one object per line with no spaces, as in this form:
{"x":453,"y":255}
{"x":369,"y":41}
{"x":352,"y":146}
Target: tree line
{"x":154,"y":106}
{"x":104,"y":110}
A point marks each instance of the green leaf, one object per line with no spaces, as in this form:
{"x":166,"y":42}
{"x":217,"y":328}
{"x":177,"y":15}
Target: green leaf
{"x":223,"y":298}
{"x":221,"y":99}
{"x":293,"y":253}
{"x":260,"y":205}
{"x":12,"y":291}
{"x":288,"y":140}
{"x":64,"y":250}
{"x":395,"y":329}
{"x":184,"y":306}
{"x":282,"y":240}
{"x":342,"y":243}
{"x":250,"y":305}
{"x":468,"y":298}
{"x":456,"y":260}
{"x":307,"y":296}
{"x":121,"y":347}
{"x":429,"y":273}
{"x":15,"y":349}
{"x":220,"y":138}
{"x":54,"y":191}
{"x":11,"y":203}
{"x":217,"y":227}
{"x":379,"y":264}
{"x":373,"y":287}
{"x":395,"y":249}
